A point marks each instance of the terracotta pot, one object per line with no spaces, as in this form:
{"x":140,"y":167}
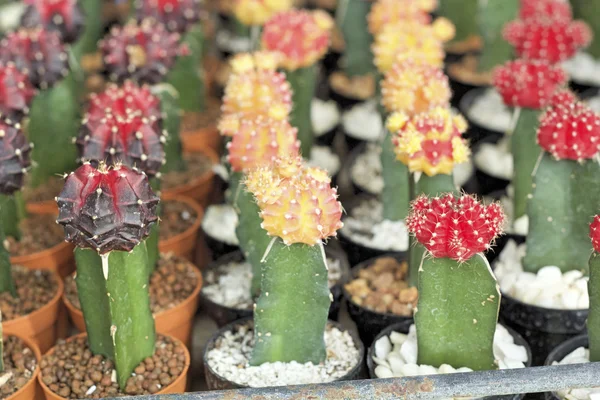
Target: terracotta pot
{"x":59,"y":259}
{"x":183,"y":244}
{"x":208,"y":136}
{"x":199,"y":188}
{"x":41,"y":326}
{"x":176,"y":322}
{"x":178,"y":385}
{"x":31,"y":390}
{"x":42,"y":207}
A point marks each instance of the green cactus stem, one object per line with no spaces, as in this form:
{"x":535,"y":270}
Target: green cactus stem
{"x":431,"y":186}
{"x":291,"y":312}
{"x":187,"y":76}
{"x":233,"y":189}
{"x":396,"y":186}
{"x":88,"y":41}
{"x":526,"y":152}
{"x":456,"y":323}
{"x":252,"y":238}
{"x":303,"y":82}
{"x":593,"y":322}
{"x":12,"y":212}
{"x":463,"y":15}
{"x":1,"y":345}
{"x":352,"y":18}
{"x":565,"y":196}
{"x":114,"y":297}
{"x":587,"y":10}
{"x":169,"y":103}
{"x":493,"y":15}
{"x":7,"y":283}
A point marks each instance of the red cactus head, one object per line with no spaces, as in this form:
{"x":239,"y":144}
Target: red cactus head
{"x":562,"y":97}
{"x":528,"y":84}
{"x":176,"y":15}
{"x":455,"y":227}
{"x":554,"y":40}
{"x":595,"y":233}
{"x":143,"y":52}
{"x":131,"y":139}
{"x":302,"y":37}
{"x":14,"y":158}
{"x":107,"y":208}
{"x":16,"y":93}
{"x":553,"y":9}
{"x":38,"y":53}
{"x":570,"y":131}
{"x":64,"y":16}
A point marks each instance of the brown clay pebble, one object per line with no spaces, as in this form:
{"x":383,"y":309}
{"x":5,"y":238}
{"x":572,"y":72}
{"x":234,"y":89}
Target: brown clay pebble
{"x":38,"y":233}
{"x":91,"y":377}
{"x":192,"y":121}
{"x":19,"y":362}
{"x":45,"y":192}
{"x":197,"y":165}
{"x":382,"y":287}
{"x":35,"y":289}
{"x":176,"y":217}
{"x":175,"y":270}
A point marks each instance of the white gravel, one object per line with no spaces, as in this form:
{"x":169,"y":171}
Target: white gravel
{"x":583,"y":68}
{"x":363,"y":121}
{"x":366,"y":170}
{"x":325,"y":116}
{"x":594,"y":103}
{"x":549,"y":288}
{"x":10,"y":15}
{"x":228,"y":41}
{"x":396,"y":355}
{"x":323,"y":157}
{"x":580,"y":355}
{"x":230,"y":359}
{"x":489,"y":111}
{"x":521,"y":225}
{"x":229,"y":285}
{"x":495,"y":159}
{"x":220,"y":221}
{"x":364,"y":225}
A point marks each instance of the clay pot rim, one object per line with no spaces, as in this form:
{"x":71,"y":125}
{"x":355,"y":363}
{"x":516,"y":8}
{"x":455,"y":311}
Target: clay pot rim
{"x":32,"y":315}
{"x":201,"y":180}
{"x":36,"y":372}
{"x":192,"y":229}
{"x":192,"y":297}
{"x":16,"y":260}
{"x":181,"y":376}
{"x":204,"y":130}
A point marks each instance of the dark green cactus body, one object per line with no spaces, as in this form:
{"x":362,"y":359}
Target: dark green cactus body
{"x":233,"y":190}
{"x":526,"y":152}
{"x":463,"y":15}
{"x":116,"y":309}
{"x":457,"y":313}
{"x":565,"y":198}
{"x":431,"y":186}
{"x":587,"y":10}
{"x":593,"y":322}
{"x":493,"y":15}
{"x":1,"y":346}
{"x":396,"y":187}
{"x":169,"y":103}
{"x":252,"y":238}
{"x":291,"y":312}
{"x":187,"y":76}
{"x":352,"y":18}
{"x":303,"y":82}
{"x":7,"y":283}
{"x":12,"y":211}
{"x":88,"y":42}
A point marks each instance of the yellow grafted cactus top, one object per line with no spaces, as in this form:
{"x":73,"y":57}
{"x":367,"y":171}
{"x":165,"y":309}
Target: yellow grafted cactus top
{"x":430,"y":142}
{"x":297,"y":203}
{"x":413,"y":88}
{"x":385,"y":12}
{"x":257,"y":12}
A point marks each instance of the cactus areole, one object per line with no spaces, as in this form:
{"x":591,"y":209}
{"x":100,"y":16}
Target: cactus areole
{"x":16,"y":93}
{"x":459,"y":297}
{"x":176,"y":15}
{"x":64,"y":16}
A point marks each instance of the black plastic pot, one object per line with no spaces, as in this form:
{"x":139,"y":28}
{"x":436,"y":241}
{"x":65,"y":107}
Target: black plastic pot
{"x":403,"y":327}
{"x":476,"y":132}
{"x":217,"y":248}
{"x":370,"y":323}
{"x":581,"y":88}
{"x":217,"y":382}
{"x":501,"y":242}
{"x":459,"y":88}
{"x":224,"y":315}
{"x":560,"y":352}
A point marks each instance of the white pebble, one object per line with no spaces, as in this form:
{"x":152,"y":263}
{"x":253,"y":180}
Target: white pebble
{"x":409,"y":351}
{"x":396,"y":363}
{"x":427,"y":370}
{"x":325,"y":115}
{"x":363,"y":121}
{"x":550,"y":274}
{"x":446,"y":369}
{"x":570,"y":298}
{"x":489,"y":111}
{"x":383,"y":347}
{"x":383,"y":372}
{"x":410,"y":370}
{"x":398,"y":338}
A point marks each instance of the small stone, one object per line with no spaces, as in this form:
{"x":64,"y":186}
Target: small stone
{"x":410,"y":370}
{"x":570,"y":298}
{"x":397,"y":337}
{"x":446,"y":369}
{"x":409,"y":351}
{"x":383,"y":372}
{"x":383,"y":347}
{"x":396,"y":363}
{"x":427,"y":370}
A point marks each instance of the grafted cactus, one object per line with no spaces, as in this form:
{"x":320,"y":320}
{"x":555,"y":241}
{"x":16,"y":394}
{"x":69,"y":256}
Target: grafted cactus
{"x":463,"y":15}
{"x":456,"y":323}
{"x":17,"y":94}
{"x":302,"y":38}
{"x":593,"y":322}
{"x":586,"y":11}
{"x":492,"y":16}
{"x":257,"y":12}
{"x":109,"y":212}
{"x":352,"y":19}
{"x":386,"y":12}
{"x":299,"y":210}
{"x":566,"y":191}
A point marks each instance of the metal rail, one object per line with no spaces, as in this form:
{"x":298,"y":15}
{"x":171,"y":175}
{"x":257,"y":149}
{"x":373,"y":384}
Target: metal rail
{"x":472,"y":384}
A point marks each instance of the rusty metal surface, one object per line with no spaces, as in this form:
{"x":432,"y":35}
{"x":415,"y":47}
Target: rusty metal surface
{"x":473,"y":384}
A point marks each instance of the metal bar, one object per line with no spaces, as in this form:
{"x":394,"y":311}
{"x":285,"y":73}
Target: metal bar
{"x":472,"y":384}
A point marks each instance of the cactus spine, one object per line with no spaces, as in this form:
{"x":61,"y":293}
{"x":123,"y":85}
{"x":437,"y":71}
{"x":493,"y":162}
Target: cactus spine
{"x":492,"y":16}
{"x":352,"y":18}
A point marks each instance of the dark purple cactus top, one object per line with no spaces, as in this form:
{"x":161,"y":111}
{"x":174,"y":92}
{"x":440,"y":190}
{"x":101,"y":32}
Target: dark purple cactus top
{"x":14,"y":157}
{"x":176,"y":15}
{"x":64,"y":16}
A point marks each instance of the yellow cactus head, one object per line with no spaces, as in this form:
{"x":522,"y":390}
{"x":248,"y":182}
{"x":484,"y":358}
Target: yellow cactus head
{"x":257,"y":12}
{"x":254,"y":88}
{"x":431,"y":142}
{"x":297,"y":203}
{"x":409,"y":40}
{"x":413,"y":88}
{"x":386,"y":12}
